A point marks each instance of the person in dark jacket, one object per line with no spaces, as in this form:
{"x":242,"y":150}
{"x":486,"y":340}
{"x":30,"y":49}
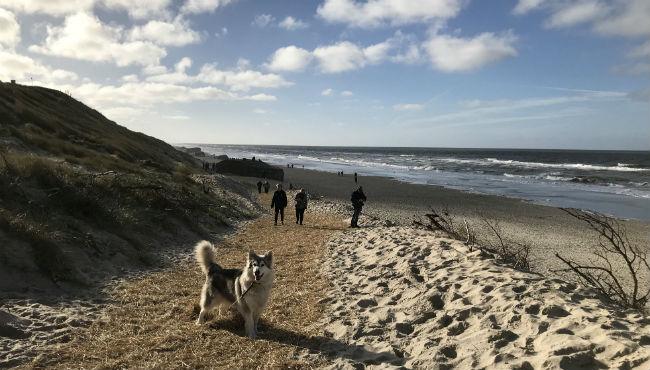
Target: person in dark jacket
{"x":266,"y":186}
{"x":259,"y":187}
{"x":279,"y":202}
{"x":358,"y":198}
{"x":301,"y":205}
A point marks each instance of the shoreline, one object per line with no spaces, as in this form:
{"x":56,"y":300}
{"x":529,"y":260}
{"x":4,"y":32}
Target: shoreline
{"x":546,"y":228}
{"x":593,"y":186}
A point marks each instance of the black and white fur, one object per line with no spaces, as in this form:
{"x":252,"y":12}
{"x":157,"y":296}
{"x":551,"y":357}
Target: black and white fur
{"x":247,"y":289}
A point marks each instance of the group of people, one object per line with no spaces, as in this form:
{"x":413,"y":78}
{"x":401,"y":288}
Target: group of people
{"x":264,"y":185}
{"x":279,"y":203}
{"x":340,"y":173}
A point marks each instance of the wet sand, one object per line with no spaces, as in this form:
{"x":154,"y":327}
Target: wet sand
{"x":546,"y":229}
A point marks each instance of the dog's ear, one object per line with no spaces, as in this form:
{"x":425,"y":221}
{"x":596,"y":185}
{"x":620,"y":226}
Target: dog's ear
{"x":268,"y":257}
{"x":251,"y":255}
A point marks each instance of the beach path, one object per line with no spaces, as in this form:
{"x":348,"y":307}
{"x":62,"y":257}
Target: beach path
{"x":151,"y":323}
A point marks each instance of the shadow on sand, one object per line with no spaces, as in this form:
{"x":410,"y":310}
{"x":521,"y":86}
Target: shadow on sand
{"x":327,"y":347}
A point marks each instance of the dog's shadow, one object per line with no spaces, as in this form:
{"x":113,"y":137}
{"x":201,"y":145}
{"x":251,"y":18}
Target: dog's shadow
{"x":327,"y":347}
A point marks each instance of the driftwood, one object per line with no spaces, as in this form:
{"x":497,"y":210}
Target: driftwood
{"x":620,"y":286}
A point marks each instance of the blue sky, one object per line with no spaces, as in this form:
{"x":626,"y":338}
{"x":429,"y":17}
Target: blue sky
{"x":440,"y":73}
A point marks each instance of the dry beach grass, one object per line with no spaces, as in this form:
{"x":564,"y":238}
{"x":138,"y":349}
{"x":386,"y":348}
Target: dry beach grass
{"x":151,"y":325}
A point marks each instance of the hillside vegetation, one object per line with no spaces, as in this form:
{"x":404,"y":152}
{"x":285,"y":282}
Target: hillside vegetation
{"x":83,"y":199}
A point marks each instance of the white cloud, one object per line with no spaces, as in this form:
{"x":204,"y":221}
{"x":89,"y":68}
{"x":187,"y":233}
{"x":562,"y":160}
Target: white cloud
{"x":203,"y":6}
{"x":627,"y":18}
{"x":50,"y":7}
{"x":23,"y":68}
{"x":178,"y":117}
{"x":183,"y":65}
{"x":9,"y":29}
{"x":85,"y":37}
{"x":327,"y":92}
{"x":154,"y":70}
{"x":374,"y":13}
{"x":630,"y":19}
{"x":292,"y":24}
{"x":340,"y":57}
{"x":135,"y":9}
{"x":241,"y":80}
{"x":260,"y":111}
{"x":237,"y":80}
{"x":347,"y":56}
{"x":624,"y":18}
{"x":456,"y":54}
{"x":130,"y":78}
{"x":347,"y":93}
{"x":289,"y":58}
{"x":148,"y":94}
{"x":140,"y":9}
{"x":263,"y":20}
{"x":176,"y":33}
{"x":408,"y":107}
{"x":525,"y":6}
{"x":576,"y":13}
{"x":507,"y":110}
{"x":641,"y":51}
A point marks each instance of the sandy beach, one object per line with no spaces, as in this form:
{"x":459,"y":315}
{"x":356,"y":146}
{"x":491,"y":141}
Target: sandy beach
{"x":547,"y":229}
{"x":382,"y":296}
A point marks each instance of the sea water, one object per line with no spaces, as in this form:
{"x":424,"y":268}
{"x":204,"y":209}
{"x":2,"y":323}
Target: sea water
{"x":611,"y":182}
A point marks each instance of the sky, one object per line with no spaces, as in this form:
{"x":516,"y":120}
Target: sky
{"x":567,"y":74}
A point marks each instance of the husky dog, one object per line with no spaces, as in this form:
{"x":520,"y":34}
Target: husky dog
{"x":248,"y":289}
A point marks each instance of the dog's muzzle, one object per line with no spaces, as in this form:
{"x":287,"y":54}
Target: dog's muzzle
{"x":258,"y":275}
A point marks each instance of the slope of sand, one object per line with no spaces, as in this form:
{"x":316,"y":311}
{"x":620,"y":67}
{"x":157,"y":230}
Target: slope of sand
{"x":412,"y":298}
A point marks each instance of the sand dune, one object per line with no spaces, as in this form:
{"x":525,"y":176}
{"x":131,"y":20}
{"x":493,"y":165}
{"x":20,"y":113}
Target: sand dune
{"x":411,"y":298}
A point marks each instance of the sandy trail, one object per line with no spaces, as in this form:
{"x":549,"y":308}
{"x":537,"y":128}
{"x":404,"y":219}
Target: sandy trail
{"x":417,"y":300}
{"x":151,"y":322}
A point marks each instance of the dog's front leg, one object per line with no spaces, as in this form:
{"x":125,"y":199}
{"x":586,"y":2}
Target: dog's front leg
{"x":249,"y":323}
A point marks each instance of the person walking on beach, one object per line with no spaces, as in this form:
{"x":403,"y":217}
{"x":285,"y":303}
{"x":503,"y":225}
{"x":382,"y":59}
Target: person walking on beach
{"x":358,"y":198}
{"x":301,"y":205}
{"x":355,"y":177}
{"x":259,"y":187}
{"x":279,"y":202}
{"x":266,"y":186}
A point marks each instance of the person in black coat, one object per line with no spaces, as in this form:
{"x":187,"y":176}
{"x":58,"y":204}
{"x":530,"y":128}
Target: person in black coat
{"x":259,"y":187}
{"x":358,"y":198}
{"x":279,"y":202}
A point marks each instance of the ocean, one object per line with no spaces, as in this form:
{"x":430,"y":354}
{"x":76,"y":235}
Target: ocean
{"x":612,"y":182}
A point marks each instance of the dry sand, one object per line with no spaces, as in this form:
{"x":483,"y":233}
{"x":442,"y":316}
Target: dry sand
{"x":412,"y":299}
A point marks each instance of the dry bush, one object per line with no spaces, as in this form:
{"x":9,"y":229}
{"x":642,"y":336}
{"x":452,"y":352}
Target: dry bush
{"x":446,"y":222}
{"x":507,"y":251}
{"x":628,"y":286}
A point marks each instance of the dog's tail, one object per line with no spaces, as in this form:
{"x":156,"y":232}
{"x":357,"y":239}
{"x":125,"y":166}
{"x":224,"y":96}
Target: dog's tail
{"x":204,"y":255}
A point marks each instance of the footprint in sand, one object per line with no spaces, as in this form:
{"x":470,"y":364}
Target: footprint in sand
{"x":555,"y":311}
{"x":502,"y":338}
{"x":366,"y":302}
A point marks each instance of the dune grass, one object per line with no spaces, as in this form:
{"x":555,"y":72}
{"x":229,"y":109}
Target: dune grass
{"x":151,"y":325}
